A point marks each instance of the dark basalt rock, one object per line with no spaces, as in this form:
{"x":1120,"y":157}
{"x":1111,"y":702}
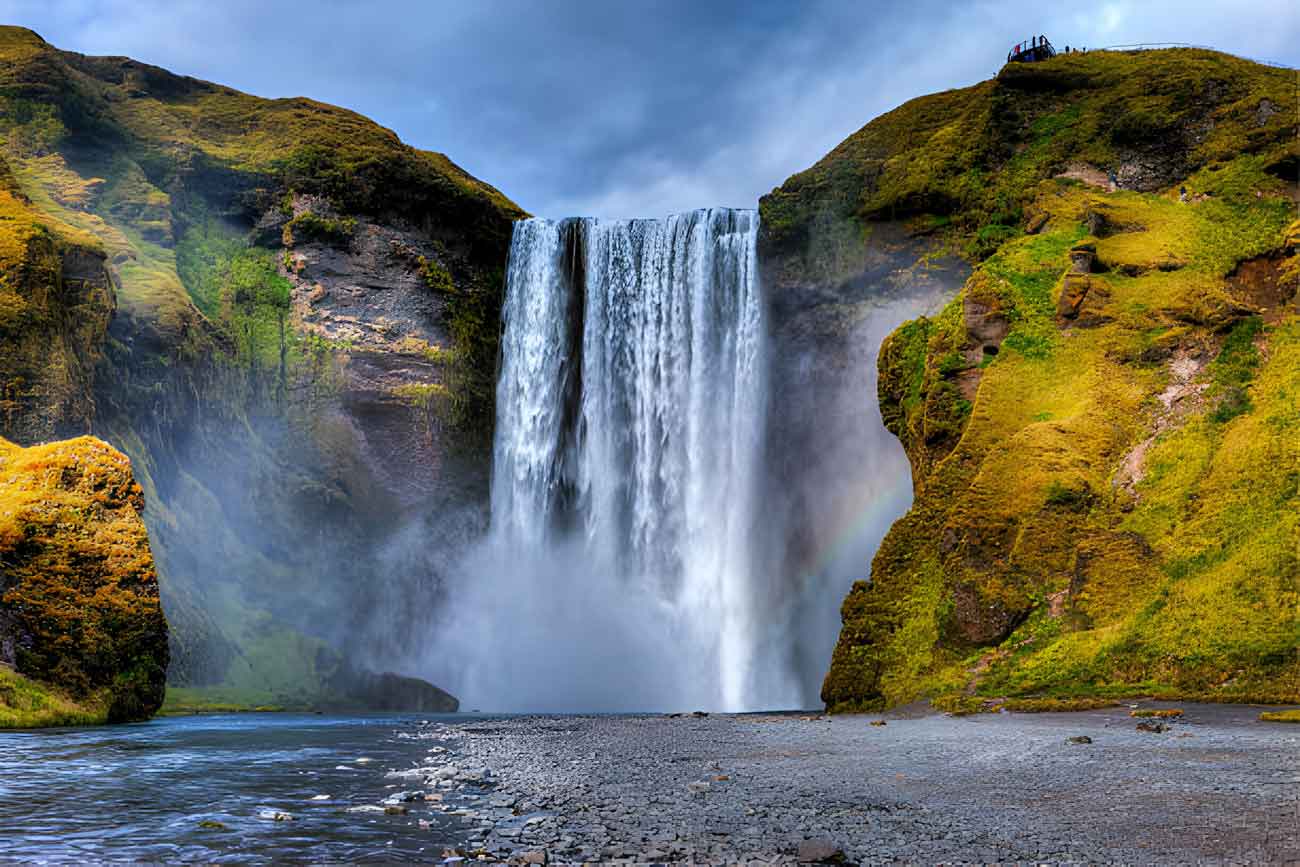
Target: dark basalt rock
{"x":357,"y":688}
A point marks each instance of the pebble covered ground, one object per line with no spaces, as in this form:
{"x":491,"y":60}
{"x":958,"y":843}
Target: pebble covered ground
{"x":1217,"y":786}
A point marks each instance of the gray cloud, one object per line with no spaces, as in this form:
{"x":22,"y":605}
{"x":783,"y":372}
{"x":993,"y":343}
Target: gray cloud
{"x":622,"y":109}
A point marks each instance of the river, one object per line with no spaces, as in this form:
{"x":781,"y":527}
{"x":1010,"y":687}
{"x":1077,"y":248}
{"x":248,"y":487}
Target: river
{"x":140,"y":792}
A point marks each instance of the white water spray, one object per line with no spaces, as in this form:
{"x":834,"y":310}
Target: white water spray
{"x":620,"y":568}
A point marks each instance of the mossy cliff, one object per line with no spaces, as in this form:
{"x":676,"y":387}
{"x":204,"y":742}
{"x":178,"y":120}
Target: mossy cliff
{"x":82,"y":634}
{"x":1104,"y":424}
{"x":285,"y":316}
{"x":56,"y":301}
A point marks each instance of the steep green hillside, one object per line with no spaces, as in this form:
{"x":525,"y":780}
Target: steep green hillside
{"x":969,"y":160}
{"x":1104,"y":425}
{"x":284,"y":315}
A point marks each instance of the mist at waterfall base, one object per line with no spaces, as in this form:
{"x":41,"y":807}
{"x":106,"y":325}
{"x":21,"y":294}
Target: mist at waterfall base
{"x":640,"y":554}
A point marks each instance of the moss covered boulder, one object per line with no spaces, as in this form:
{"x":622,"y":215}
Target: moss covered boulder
{"x":82,"y":633}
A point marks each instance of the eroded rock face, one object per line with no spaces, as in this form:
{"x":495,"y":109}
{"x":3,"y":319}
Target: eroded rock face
{"x":55,"y":309}
{"x":368,"y":296}
{"x":79,"y":608}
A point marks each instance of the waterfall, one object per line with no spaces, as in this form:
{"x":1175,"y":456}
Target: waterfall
{"x":626,"y":466}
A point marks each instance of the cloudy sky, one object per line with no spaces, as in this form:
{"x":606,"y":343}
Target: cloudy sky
{"x":626,"y":107}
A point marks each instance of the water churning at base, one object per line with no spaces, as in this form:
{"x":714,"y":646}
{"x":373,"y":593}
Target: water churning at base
{"x":630,"y":419}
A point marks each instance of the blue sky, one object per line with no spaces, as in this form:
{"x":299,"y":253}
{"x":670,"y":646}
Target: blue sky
{"x":623,"y":108}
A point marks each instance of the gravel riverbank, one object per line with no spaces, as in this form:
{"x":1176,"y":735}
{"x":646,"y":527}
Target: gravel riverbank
{"x":1217,"y":786}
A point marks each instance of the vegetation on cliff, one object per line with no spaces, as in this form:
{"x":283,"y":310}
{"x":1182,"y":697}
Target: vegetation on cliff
{"x":967,"y":162}
{"x":1103,"y":425}
{"x":55,"y":305}
{"x":197,"y":275}
{"x":82,"y":634}
{"x":134,"y":160}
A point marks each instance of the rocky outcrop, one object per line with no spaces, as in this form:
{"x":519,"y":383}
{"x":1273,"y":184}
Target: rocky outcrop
{"x":1107,"y":406}
{"x":353,"y":689}
{"x":299,"y":357}
{"x":79,"y":608}
{"x":55,"y":306}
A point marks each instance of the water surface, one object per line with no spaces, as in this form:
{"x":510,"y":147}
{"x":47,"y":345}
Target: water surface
{"x":139,"y":792}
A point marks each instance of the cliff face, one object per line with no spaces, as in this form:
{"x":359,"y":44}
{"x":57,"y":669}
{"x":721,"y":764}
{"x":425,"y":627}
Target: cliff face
{"x":1103,"y":424}
{"x":300,"y":362}
{"x":56,"y":301}
{"x":82,"y":634}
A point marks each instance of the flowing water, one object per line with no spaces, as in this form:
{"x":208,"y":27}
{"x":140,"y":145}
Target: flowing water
{"x":136,"y":793}
{"x":661,"y":538}
{"x":630,"y":416}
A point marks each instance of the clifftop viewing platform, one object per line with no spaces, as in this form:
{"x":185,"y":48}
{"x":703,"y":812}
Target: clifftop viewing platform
{"x":1032,"y":50}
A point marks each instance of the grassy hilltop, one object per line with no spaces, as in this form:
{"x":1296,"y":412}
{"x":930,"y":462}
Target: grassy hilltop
{"x":1104,"y":425}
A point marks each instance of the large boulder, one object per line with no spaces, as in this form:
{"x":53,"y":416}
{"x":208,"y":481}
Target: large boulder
{"x":79,"y":609}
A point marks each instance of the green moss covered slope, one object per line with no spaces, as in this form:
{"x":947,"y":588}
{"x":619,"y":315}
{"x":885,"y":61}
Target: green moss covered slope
{"x":967,"y":161}
{"x":1104,"y":425}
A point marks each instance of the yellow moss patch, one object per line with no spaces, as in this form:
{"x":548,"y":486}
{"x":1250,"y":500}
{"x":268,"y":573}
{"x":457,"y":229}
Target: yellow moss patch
{"x":1055,"y":705}
{"x":24,"y":704}
{"x":81,"y":594}
{"x":969,"y":160}
{"x":1185,"y":586}
{"x":1282,"y":716}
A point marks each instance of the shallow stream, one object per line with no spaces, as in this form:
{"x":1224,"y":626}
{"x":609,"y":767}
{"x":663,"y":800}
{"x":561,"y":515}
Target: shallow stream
{"x":141,"y":792}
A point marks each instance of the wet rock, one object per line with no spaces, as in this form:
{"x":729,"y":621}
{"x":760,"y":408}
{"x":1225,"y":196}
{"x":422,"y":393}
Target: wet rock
{"x":275,"y":816}
{"x":473,"y":775}
{"x":414,"y":774}
{"x":1152,"y":725}
{"x":819,"y":850}
{"x":1078,"y":739}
